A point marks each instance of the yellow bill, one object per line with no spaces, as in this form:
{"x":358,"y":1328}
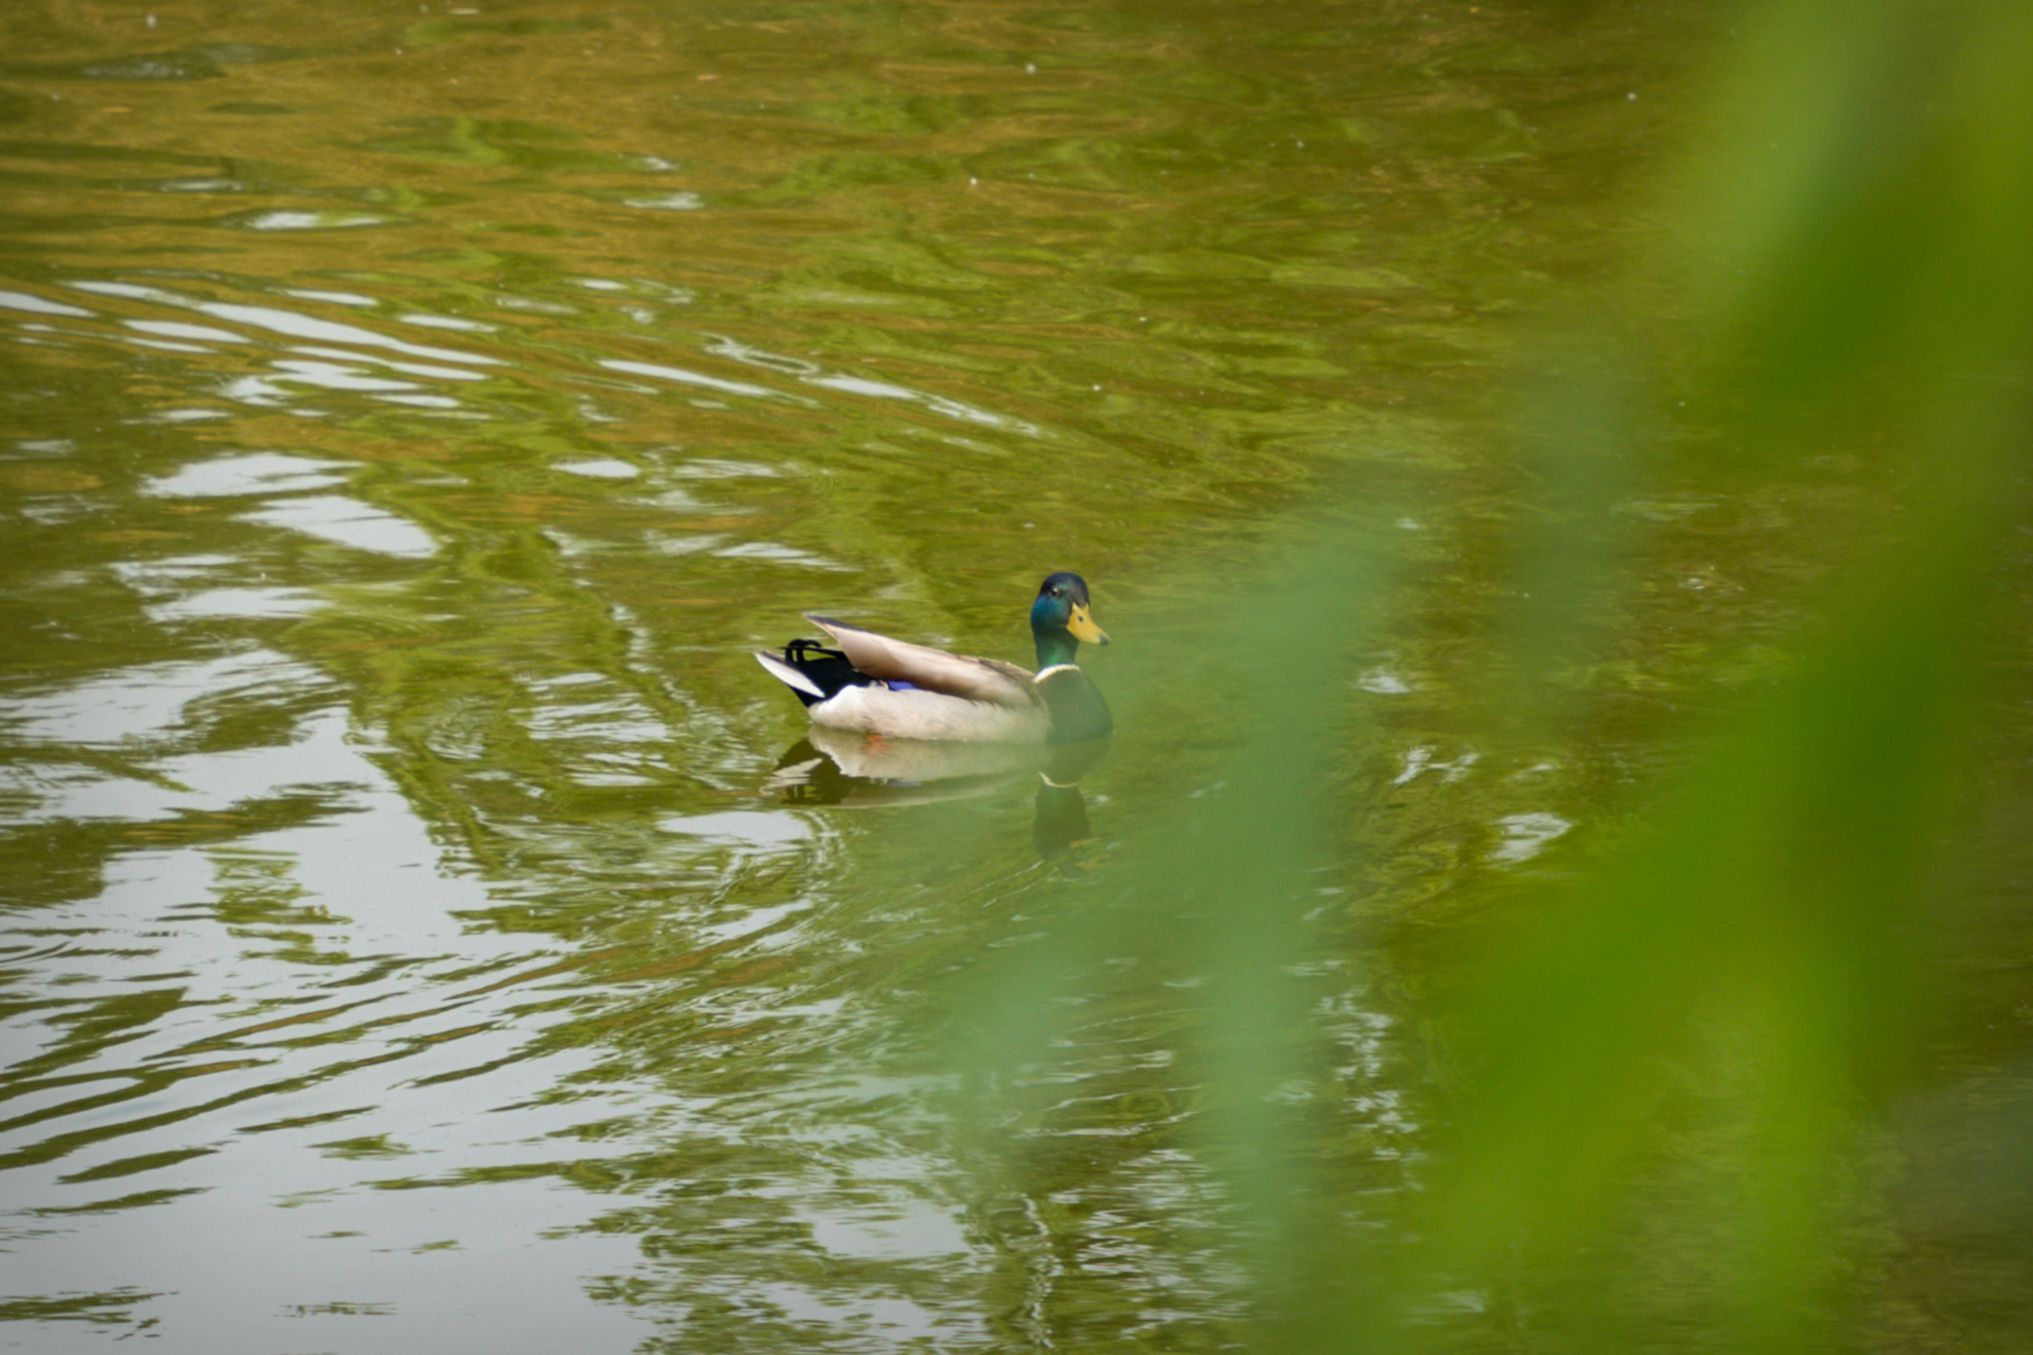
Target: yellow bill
{"x":1082,"y":628}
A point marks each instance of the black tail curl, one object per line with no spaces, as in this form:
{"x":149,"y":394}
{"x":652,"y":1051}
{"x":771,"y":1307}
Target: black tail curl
{"x":828,"y":669}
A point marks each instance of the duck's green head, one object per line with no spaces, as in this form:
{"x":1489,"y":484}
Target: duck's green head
{"x":1061,"y":619}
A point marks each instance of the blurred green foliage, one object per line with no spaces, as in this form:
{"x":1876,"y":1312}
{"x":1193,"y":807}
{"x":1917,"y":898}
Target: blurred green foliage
{"x":1674,"y":1092}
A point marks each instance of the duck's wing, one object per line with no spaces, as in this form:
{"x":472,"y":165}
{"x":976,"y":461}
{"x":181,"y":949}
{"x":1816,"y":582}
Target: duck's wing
{"x":935,"y":670}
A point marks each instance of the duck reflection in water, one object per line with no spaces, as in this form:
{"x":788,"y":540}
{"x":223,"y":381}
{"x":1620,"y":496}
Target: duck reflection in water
{"x":853,"y":770}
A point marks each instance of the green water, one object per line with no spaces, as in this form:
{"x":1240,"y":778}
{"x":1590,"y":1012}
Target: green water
{"x":424,"y":927}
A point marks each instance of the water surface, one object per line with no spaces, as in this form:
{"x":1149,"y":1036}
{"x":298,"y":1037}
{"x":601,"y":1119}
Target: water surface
{"x":425,"y":928}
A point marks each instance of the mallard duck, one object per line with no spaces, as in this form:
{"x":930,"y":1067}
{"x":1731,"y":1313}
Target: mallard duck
{"x":876,"y":685}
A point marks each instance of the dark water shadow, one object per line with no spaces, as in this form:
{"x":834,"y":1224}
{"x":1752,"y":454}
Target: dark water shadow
{"x":835,"y":768}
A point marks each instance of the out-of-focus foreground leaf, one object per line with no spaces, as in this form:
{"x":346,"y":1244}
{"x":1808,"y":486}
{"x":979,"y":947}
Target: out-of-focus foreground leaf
{"x":1664,"y":1078}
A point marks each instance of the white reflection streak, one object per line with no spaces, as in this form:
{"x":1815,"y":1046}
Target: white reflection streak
{"x":679,"y":374}
{"x":348,"y":522}
{"x":1525,"y":835}
{"x":444,"y":402}
{"x":447,"y":322}
{"x":336,"y":298}
{"x":330,"y":331}
{"x":813,"y":375}
{"x":131,"y":291}
{"x":333,"y":376}
{"x":938,"y":404}
{"x":247,"y":473}
{"x":393,"y":364}
{"x":756,"y":357}
{"x":169,"y":346}
{"x":176,"y":329}
{"x":274,"y":320}
{"x":35,"y":305}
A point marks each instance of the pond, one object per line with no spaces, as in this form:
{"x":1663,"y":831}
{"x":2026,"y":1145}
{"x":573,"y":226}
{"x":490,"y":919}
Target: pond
{"x":428,"y":928}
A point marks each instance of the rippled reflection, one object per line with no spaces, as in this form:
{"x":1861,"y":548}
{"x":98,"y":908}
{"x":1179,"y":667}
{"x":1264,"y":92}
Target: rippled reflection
{"x":835,"y":767}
